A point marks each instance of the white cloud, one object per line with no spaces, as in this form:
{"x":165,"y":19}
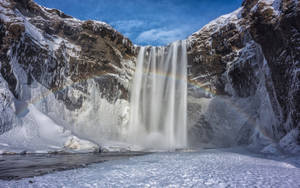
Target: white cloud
{"x":127,"y":25}
{"x":161,"y":36}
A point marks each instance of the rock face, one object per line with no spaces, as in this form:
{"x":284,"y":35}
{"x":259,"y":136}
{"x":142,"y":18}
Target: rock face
{"x":250,"y":59}
{"x":243,"y":75}
{"x":278,"y":32}
{"x":65,"y":67}
{"x":52,"y":47}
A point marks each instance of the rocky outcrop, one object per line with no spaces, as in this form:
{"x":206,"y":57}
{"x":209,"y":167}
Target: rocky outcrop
{"x":276,"y":28}
{"x":65,"y":66}
{"x":211,"y":48}
{"x":251,"y":55}
{"x":243,"y":74}
{"x":52,"y":47}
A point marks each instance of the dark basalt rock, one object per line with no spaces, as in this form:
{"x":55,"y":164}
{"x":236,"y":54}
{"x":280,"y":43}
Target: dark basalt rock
{"x":222,"y":54}
{"x":112,"y":90}
{"x":243,"y":79}
{"x":209,"y":53}
{"x":279,"y":39}
{"x":5,"y":68}
{"x":101,"y":50}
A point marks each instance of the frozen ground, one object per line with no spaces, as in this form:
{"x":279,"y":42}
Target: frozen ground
{"x":207,"y":168}
{"x":37,"y":133}
{"x":15,"y":167}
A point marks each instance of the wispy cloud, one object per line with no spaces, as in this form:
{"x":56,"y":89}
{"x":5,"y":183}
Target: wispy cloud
{"x":160,"y":36}
{"x":127,"y":25}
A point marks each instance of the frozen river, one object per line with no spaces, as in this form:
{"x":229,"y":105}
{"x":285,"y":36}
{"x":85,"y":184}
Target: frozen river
{"x":206,"y":168}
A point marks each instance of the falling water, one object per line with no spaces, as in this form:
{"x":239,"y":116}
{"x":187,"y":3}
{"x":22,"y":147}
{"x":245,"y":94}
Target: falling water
{"x":158,"y":97}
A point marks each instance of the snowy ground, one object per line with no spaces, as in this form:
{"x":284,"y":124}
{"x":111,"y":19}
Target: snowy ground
{"x":37,"y":133}
{"x":207,"y":168}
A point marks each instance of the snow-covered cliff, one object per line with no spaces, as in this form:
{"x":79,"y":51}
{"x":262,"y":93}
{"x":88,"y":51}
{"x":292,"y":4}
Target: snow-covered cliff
{"x":75,"y":72}
{"x":244,"y":66}
{"x":243,"y":78}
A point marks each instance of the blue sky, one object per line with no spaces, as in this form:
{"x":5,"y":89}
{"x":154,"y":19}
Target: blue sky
{"x":148,"y":22}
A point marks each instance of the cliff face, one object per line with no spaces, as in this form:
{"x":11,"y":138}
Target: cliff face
{"x":277,"y":30}
{"x":243,"y":82}
{"x":248,"y":61}
{"x":52,"y":48}
{"x":76,"y":72}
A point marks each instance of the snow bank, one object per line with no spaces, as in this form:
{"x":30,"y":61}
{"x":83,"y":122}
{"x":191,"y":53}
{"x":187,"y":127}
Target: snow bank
{"x":39,"y":134}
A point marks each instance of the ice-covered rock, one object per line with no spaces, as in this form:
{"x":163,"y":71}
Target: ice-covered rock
{"x":243,"y":76}
{"x":252,"y":56}
{"x":37,"y":133}
{"x":74,"y":72}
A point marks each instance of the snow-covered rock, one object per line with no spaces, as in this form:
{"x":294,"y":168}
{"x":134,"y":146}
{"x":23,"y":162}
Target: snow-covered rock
{"x":7,"y":110}
{"x":75,"y":73}
{"x":243,"y":77}
{"x":250,"y":58}
{"x":37,"y":133}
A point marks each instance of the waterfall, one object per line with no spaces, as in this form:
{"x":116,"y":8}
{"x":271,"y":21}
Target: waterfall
{"x":158,"y":97}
